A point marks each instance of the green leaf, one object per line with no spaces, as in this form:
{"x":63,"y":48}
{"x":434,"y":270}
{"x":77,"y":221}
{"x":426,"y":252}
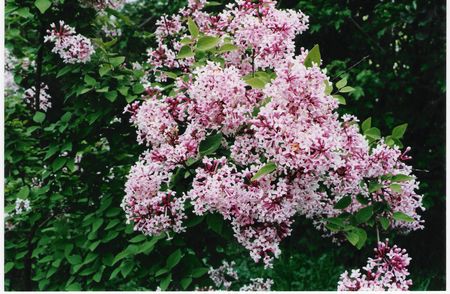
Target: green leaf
{"x":212,"y":3}
{"x":138,"y":239}
{"x":66,"y":117}
{"x":367,"y":124}
{"x":207,"y":43}
{"x":333,"y":227}
{"x":346,"y":89}
{"x":186,"y":41}
{"x":102,"y":90}
{"x":111,"y":95}
{"x":85,"y":90}
{"x":115,"y":61}
{"x":94,"y":245}
{"x":126,"y":268}
{"x":361,"y":199}
{"x":185,"y":52}
{"x":43,"y":5}
{"x":123,"y":90}
{"x":23,"y":192}
{"x":193,"y":28}
{"x":104,"y":69}
{"x":58,"y":163}
{"x":255,"y":83}
{"x":340,"y":99}
{"x":97,"y":224}
{"x":110,"y":236}
{"x":174,"y":259}
{"x":138,"y":88}
{"x":352,"y":237}
{"x":114,"y":273}
{"x":98,"y":276}
{"x":68,"y":249}
{"x":185,"y":282}
{"x":215,"y":222}
{"x":39,"y":117}
{"x":110,"y":43}
{"x":74,"y":259}
{"x":89,"y":80}
{"x":228,"y":48}
{"x":9,"y":266}
{"x":171,"y":75}
{"x":362,"y":237}
{"x":66,"y":69}
{"x":401,"y":178}
{"x":199,"y":272}
{"x":112,"y":224}
{"x":400,"y":216}
{"x":389,"y":141}
{"x":313,"y":57}
{"x":74,"y":287}
{"x":344,"y":202}
{"x":373,"y":133}
{"x":210,"y":144}
{"x":164,"y":284}
{"x":374,"y":186}
{"x":266,"y":169}
{"x":399,"y":131}
{"x":23,"y":12}
{"x":131,"y":98}
{"x":384,"y":222}
{"x":364,"y":214}
{"x":328,"y":88}
{"x":161,"y":271}
{"x":342,"y":83}
{"x":193,"y":221}
{"x":396,"y":188}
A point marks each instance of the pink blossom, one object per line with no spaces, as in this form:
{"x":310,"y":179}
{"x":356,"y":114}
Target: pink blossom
{"x":44,"y":98}
{"x":290,"y":121}
{"x":387,"y":271}
{"x":71,"y":47}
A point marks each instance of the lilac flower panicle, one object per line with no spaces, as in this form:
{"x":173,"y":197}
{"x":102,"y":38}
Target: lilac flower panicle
{"x":71,"y":47}
{"x":44,"y":98}
{"x":290,"y":122}
{"x":387,"y":271}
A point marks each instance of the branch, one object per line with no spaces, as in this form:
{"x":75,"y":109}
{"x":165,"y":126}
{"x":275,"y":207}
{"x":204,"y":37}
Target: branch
{"x":351,"y":67}
{"x":366,"y":34}
{"x":40,"y":57}
{"x":28,"y":258}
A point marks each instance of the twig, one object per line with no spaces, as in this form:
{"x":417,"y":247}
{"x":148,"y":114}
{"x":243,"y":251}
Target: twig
{"x":366,"y":34}
{"x":28,"y":258}
{"x":146,"y":21}
{"x":351,"y":67}
{"x":253,"y":62}
{"x":39,"y":67}
{"x":378,"y":233}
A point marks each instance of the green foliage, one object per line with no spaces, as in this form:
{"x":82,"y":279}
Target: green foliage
{"x":265,"y":170}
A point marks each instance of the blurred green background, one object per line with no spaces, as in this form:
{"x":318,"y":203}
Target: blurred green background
{"x":393,"y":53}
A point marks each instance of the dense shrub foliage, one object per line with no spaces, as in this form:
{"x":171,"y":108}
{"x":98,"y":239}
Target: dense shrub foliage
{"x":68,"y":153}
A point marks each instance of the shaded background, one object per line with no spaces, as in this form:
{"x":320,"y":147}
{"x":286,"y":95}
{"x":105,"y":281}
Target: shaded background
{"x":393,"y":53}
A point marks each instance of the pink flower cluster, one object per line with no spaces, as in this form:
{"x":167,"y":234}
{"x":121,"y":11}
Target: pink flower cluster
{"x":152,"y":211}
{"x":44,"y":98}
{"x":387,"y":271}
{"x":223,"y":276}
{"x":258,"y":284}
{"x":291,"y":123}
{"x":103,"y":4}
{"x":71,"y":47}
